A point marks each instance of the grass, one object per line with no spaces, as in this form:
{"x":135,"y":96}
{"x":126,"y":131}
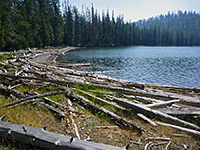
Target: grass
{"x":33,"y":115}
{"x":5,"y":56}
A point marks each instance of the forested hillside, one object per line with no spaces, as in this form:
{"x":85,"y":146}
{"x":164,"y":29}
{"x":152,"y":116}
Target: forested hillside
{"x":182,"y":28}
{"x":40,"y":23}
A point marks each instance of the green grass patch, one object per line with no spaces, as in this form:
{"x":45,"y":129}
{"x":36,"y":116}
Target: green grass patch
{"x":58,"y":98}
{"x":43,"y":90}
{"x":5,"y":56}
{"x":3,"y":100}
{"x":22,"y":89}
{"x":11,"y":70}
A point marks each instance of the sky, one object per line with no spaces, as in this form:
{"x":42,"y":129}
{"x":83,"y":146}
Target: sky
{"x":139,"y":9}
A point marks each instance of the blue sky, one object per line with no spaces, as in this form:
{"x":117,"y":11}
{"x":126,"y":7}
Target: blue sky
{"x":139,"y":9}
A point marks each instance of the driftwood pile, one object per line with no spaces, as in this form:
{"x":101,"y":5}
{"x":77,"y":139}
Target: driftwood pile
{"x":132,"y":96}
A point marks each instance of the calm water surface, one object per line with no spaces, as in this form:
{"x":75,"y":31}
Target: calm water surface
{"x":177,"y":66}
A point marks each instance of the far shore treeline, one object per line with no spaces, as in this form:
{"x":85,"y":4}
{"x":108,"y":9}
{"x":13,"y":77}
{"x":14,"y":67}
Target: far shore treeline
{"x":40,"y":23}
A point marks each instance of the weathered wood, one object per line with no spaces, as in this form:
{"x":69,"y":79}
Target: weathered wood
{"x":117,"y":118}
{"x":100,"y":99}
{"x":47,"y":140}
{"x":25,"y":102}
{"x":134,"y":142}
{"x":147,"y":119}
{"x":146,"y":92}
{"x":47,"y":100}
{"x":10,"y":90}
{"x":147,"y":145}
{"x":32,"y":97}
{"x":78,"y":65}
{"x":179,"y":128}
{"x":157,"y":138}
{"x":166,"y":148}
{"x":72,"y":118}
{"x":54,"y":110}
{"x":142,"y":109}
{"x":167,"y":103}
{"x":106,"y":127}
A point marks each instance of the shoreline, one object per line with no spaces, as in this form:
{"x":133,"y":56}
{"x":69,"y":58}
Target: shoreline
{"x":105,"y":101}
{"x":49,"y":56}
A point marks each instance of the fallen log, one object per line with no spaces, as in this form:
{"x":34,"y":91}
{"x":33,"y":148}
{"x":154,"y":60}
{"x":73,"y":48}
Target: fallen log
{"x":167,"y":103}
{"x":32,"y":97}
{"x":146,"y":119}
{"x":143,"y":109}
{"x":179,"y":128}
{"x":115,"y":117}
{"x":101,"y":100}
{"x":47,"y":140}
{"x":106,"y":127}
{"x":147,"y":92}
{"x":10,"y":90}
{"x":79,"y":65}
{"x":157,"y":138}
{"x":72,"y":118}
{"x":54,"y":110}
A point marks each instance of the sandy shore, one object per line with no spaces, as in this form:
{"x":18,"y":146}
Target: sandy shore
{"x":48,"y":56}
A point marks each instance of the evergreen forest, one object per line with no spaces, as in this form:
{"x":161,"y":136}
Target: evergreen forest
{"x":41,"y":23}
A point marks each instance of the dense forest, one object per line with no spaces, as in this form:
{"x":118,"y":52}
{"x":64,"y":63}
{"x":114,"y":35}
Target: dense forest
{"x":40,"y":23}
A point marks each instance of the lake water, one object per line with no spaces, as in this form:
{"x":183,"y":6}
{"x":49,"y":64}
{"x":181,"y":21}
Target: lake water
{"x":176,"y":66}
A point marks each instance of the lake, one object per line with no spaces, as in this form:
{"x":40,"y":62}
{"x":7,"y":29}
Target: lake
{"x":176,"y":66}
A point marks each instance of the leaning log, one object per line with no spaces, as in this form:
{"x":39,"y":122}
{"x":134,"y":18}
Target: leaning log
{"x":179,"y":128}
{"x":10,"y":90}
{"x":115,"y":117}
{"x":32,"y":97}
{"x":47,"y":140}
{"x":146,"y":92}
{"x":167,"y":103}
{"x":150,"y":112}
{"x":54,"y":110}
{"x":99,"y":99}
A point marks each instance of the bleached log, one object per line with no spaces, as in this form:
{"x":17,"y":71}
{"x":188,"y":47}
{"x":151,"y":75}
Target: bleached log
{"x":41,"y":79}
{"x":22,"y":103}
{"x":143,"y":109}
{"x":167,"y":103}
{"x":147,"y":92}
{"x":72,"y":119}
{"x":134,"y":142}
{"x":147,"y":145}
{"x":78,"y":65}
{"x":47,"y":140}
{"x":99,"y":99}
{"x":179,"y":128}
{"x":157,"y":138}
{"x":106,"y":127}
{"x":166,"y":148}
{"x":8,"y":90}
{"x":157,"y":144}
{"x":54,"y":102}
{"x":117,"y":118}
{"x":54,"y":110}
{"x":193,"y":102}
{"x":147,"y":119}
{"x":32,"y":97}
